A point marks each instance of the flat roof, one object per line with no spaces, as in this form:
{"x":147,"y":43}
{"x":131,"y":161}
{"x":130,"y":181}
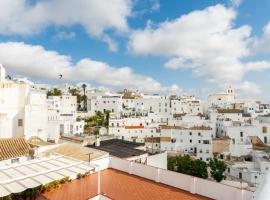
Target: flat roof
{"x":118,"y":185}
{"x":120,"y":148}
{"x":77,"y":151}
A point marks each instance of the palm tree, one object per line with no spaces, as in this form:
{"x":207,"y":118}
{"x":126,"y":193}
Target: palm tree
{"x":84,"y":96}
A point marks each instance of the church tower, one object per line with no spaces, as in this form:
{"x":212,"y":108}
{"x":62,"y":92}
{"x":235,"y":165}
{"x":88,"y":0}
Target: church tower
{"x":2,"y":73}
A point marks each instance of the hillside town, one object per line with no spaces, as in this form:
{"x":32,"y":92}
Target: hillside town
{"x":71,"y":126}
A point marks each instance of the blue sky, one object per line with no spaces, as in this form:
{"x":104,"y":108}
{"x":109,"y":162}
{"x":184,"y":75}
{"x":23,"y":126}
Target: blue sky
{"x":175,"y":46}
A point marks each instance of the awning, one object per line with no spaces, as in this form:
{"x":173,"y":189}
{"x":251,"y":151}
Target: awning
{"x":12,"y":173}
{"x":29,"y":183}
{"x":55,"y":175}
{"x":42,"y":179}
{"x":86,"y":167}
{"x":26,"y":170}
{"x":68,"y":173}
{"x":4,"y":176}
{"x":77,"y":170}
{"x":4,"y":192}
{"x":15,"y":187}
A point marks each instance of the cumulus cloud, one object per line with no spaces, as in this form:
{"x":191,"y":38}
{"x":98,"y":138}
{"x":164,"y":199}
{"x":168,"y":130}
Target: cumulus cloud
{"x":262,"y":44}
{"x":205,"y":41}
{"x":36,"y":62}
{"x":96,"y":16}
{"x":247,"y":87}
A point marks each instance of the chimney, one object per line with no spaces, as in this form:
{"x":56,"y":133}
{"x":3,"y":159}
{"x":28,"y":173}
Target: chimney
{"x":97,"y":141}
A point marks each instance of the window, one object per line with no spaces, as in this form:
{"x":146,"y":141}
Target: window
{"x":190,"y":141}
{"x":20,"y":122}
{"x":241,"y":134}
{"x":199,"y":141}
{"x":190,"y":133}
{"x":199,"y":134}
{"x":265,"y":140}
{"x":264,"y":129}
{"x":240,"y":175}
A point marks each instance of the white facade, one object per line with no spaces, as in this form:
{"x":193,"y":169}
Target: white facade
{"x":22,"y":112}
{"x":195,"y":141}
{"x":187,"y":105}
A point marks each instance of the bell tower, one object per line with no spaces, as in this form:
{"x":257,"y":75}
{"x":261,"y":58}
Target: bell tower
{"x":2,"y":73}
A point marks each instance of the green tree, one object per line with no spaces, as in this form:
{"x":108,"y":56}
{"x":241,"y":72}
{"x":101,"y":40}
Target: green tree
{"x":84,"y":97}
{"x":80,"y":98}
{"x":107,"y":118}
{"x":186,"y":165}
{"x":199,"y":169}
{"x":54,"y":92}
{"x":217,"y":169}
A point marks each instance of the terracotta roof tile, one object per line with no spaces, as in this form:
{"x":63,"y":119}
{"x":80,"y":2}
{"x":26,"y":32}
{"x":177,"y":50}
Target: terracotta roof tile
{"x":13,"y":147}
{"x":134,"y":127}
{"x":229,"y":111}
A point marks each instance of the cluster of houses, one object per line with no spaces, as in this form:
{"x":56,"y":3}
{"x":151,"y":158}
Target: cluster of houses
{"x":235,"y":130}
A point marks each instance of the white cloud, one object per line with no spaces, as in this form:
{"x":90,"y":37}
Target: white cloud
{"x":96,"y":16}
{"x":236,"y":3}
{"x":62,"y":35}
{"x":257,"y":66}
{"x":36,"y":62}
{"x":181,"y":63}
{"x":262,"y":44}
{"x":155,"y":5}
{"x":173,"y":89}
{"x":205,"y":41}
{"x":248,"y":88}
{"x":112,"y":45}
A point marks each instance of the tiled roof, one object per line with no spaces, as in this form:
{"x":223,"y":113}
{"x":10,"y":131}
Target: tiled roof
{"x":165,"y":139}
{"x":152,"y":139}
{"x":171,"y":127}
{"x":119,"y":186}
{"x":176,"y":115}
{"x":229,"y":111}
{"x":13,"y":147}
{"x":36,"y":141}
{"x":134,"y":127}
{"x":184,"y":128}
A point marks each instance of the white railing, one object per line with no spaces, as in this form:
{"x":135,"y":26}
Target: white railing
{"x":188,"y":183}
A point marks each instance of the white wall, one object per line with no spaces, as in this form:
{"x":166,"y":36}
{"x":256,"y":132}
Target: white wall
{"x":191,"y":184}
{"x":158,"y":160}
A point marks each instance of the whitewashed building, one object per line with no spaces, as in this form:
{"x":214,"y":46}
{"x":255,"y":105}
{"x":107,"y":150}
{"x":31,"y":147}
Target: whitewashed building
{"x":23,"y":112}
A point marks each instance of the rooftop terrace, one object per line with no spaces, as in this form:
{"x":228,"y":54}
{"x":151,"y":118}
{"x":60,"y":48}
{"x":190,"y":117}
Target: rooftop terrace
{"x":119,"y":185}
